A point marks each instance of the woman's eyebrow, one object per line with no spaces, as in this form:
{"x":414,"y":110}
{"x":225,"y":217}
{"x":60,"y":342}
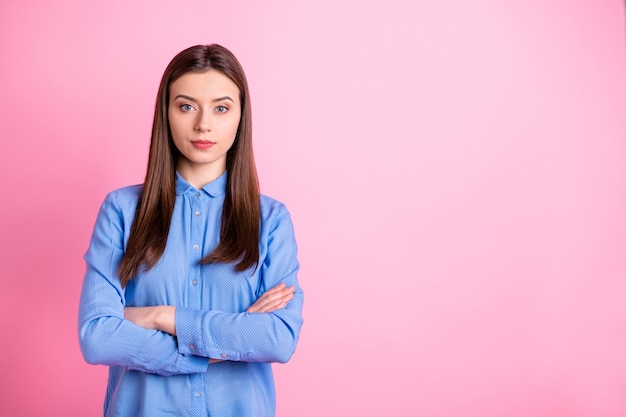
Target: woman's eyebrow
{"x":223,"y":98}
{"x":183,"y":96}
{"x":186,"y":98}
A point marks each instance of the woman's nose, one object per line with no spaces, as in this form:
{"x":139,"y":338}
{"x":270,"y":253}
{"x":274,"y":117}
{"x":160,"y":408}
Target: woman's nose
{"x":203,"y":124}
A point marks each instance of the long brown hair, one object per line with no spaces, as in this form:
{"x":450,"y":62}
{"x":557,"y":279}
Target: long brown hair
{"x":241,"y":214}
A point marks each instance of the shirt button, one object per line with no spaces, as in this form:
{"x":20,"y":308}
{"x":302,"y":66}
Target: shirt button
{"x":196,"y":247}
{"x":192,"y":346}
{"x":197,"y":194}
{"x":198,"y":393}
{"x":197,"y":213}
{"x":194,"y":282}
{"x":224,"y":356}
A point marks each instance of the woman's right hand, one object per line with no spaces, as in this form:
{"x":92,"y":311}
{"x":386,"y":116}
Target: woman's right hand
{"x":273,"y":299}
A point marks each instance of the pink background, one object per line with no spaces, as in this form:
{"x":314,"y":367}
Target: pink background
{"x":456,"y":172}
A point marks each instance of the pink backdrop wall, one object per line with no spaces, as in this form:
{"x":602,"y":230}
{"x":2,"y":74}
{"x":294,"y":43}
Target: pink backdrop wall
{"x":456,"y":172}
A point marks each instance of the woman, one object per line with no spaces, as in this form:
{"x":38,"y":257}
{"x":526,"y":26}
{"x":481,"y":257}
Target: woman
{"x":191,"y":288}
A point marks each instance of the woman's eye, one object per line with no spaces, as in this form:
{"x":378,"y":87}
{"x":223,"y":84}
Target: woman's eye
{"x":221,"y":109}
{"x":186,"y":107}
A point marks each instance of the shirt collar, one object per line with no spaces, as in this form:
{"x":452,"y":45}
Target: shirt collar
{"x":215,"y":188}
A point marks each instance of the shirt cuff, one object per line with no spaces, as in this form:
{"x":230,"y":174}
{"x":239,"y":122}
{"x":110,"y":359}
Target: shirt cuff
{"x":193,"y":339}
{"x":187,"y":332}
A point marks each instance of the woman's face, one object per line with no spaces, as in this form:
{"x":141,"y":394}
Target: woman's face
{"x":204,"y":113}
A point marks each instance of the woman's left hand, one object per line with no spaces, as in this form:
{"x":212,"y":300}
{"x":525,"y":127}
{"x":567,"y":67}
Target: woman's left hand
{"x":156,"y":317}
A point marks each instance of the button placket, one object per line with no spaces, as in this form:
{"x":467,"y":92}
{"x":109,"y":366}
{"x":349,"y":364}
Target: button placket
{"x":195,"y":216}
{"x":196,"y":211}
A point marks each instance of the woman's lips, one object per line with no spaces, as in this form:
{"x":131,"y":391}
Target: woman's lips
{"x":202,"y":144}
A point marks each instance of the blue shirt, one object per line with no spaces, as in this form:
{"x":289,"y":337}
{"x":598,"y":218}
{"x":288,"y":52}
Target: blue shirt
{"x":152,"y":373}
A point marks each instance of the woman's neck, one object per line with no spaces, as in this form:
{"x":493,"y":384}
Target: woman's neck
{"x":199,"y":175}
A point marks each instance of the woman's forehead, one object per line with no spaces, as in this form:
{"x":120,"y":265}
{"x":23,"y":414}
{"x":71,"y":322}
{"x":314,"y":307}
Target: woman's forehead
{"x":204,"y":86}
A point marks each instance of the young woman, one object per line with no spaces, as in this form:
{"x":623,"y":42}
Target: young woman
{"x":191,"y":290}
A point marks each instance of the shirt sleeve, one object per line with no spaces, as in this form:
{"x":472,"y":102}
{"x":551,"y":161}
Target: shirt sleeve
{"x":105,"y":337}
{"x":252,"y":337}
